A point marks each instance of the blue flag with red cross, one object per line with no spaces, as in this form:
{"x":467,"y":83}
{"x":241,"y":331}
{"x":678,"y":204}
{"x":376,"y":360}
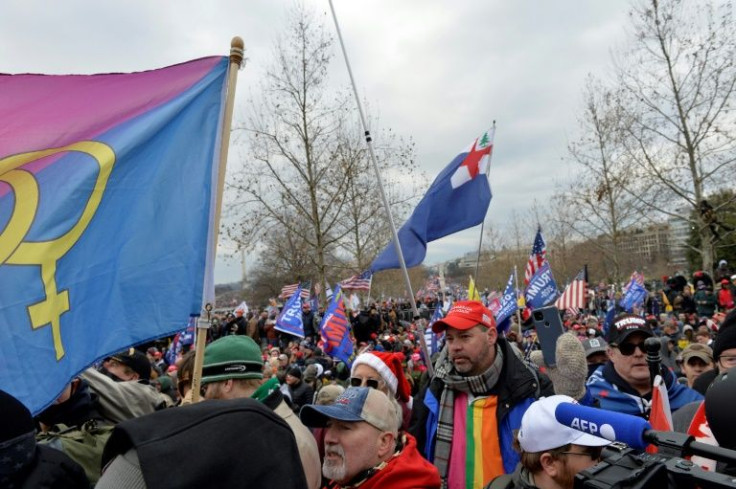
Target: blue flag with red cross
{"x":457,"y":199}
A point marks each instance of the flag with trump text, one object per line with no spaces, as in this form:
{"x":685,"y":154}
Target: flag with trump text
{"x":542,"y":288}
{"x":509,"y":305}
{"x":107,"y":206}
{"x":335,"y":330}
{"x":290,"y":320}
{"x":457,"y":199}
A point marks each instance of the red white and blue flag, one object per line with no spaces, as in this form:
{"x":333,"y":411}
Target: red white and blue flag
{"x":574,"y":295}
{"x":335,"y":330}
{"x":537,"y":258}
{"x":361,"y":281}
{"x":660,"y":416}
{"x":458,"y":199}
{"x":289,"y":290}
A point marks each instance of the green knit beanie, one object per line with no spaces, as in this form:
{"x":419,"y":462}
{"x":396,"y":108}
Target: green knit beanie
{"x":232,"y":357}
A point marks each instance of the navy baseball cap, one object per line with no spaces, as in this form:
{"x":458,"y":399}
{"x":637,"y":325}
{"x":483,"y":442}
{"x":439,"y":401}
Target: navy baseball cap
{"x":354,"y":405}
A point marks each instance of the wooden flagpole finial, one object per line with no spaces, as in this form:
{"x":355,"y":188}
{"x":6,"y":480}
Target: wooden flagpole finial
{"x":237,"y":50}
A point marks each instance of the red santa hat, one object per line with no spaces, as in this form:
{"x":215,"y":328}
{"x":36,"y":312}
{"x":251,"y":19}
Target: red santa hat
{"x":388,"y":366}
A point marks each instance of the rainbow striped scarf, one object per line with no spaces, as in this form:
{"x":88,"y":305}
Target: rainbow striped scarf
{"x":477,"y":385}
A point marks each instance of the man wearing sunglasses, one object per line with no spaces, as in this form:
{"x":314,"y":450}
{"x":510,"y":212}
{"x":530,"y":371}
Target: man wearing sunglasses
{"x":623,"y":384}
{"x":552,"y":454}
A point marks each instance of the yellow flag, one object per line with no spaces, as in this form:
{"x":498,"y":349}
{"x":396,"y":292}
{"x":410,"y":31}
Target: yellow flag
{"x":473,"y":294}
{"x":667,"y":305}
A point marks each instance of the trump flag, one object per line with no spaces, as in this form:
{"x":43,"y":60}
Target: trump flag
{"x":457,"y":199}
{"x":335,"y":330}
{"x":106,"y":211}
{"x":290,"y":319}
{"x":542,"y":288}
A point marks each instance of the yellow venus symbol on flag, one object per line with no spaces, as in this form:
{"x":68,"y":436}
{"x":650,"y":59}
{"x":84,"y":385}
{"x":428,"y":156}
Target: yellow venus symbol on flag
{"x":14,"y":250}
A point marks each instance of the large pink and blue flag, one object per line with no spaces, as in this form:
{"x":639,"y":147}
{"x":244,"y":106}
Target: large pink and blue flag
{"x":106,"y":211}
{"x":457,"y":199}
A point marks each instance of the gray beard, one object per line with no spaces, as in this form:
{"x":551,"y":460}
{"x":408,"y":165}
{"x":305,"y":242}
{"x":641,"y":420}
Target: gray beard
{"x":331,"y":470}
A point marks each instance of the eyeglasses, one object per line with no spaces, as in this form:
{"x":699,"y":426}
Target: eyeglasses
{"x":593,"y":452}
{"x":360,"y":382}
{"x":627,"y":349}
{"x":728,"y":361}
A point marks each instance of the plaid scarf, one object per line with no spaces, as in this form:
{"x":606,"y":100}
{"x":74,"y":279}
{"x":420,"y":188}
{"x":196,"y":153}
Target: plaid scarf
{"x":477,"y":385}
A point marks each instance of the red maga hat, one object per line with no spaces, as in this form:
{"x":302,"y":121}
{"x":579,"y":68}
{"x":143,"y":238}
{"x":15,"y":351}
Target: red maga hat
{"x":465,"y":315}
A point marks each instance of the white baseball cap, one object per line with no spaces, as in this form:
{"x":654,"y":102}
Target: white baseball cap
{"x":540,"y":431}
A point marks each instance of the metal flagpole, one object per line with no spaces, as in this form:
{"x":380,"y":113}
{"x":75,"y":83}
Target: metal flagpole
{"x":483,"y":224}
{"x":236,"y":59}
{"x":395,"y":234}
{"x":518,"y":312}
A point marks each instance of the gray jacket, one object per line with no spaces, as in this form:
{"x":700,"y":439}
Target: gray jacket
{"x":119,"y":401}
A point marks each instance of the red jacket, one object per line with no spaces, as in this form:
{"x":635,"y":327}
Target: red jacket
{"x":407,"y":469}
{"x":725,"y":298}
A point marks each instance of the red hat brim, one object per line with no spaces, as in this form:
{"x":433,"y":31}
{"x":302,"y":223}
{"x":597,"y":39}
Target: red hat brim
{"x":455,"y":322}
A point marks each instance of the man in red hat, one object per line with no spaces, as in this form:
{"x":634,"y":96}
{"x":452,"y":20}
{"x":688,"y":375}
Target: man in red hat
{"x":466,"y":416}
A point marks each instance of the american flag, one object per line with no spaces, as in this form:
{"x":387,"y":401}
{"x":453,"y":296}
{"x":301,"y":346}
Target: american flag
{"x":573,"y":298}
{"x":288,"y":290}
{"x":433,"y":284}
{"x":358,"y":282}
{"x":537,"y":258}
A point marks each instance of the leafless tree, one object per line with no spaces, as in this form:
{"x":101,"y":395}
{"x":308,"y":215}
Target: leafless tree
{"x":305,"y":177}
{"x":678,"y":80}
{"x":595,"y":204}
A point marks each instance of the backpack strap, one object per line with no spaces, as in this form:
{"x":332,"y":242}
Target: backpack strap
{"x":504,"y":481}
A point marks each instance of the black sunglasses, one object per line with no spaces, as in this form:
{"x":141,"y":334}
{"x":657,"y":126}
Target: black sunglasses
{"x":627,"y":349}
{"x":358,"y":382}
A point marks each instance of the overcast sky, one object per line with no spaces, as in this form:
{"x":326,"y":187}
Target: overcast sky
{"x":435,"y":70}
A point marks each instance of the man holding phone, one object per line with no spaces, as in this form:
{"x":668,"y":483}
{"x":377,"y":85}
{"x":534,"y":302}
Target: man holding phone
{"x":464,"y":419}
{"x":623,"y":384}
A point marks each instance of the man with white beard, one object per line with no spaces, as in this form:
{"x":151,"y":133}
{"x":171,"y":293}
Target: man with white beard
{"x":363,"y":445}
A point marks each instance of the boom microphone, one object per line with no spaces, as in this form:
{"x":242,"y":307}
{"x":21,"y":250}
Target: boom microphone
{"x":610,"y":425}
{"x":636,"y":432}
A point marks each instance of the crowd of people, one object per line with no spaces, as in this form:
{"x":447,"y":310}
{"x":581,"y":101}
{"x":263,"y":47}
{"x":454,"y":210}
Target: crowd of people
{"x":273,"y":410}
